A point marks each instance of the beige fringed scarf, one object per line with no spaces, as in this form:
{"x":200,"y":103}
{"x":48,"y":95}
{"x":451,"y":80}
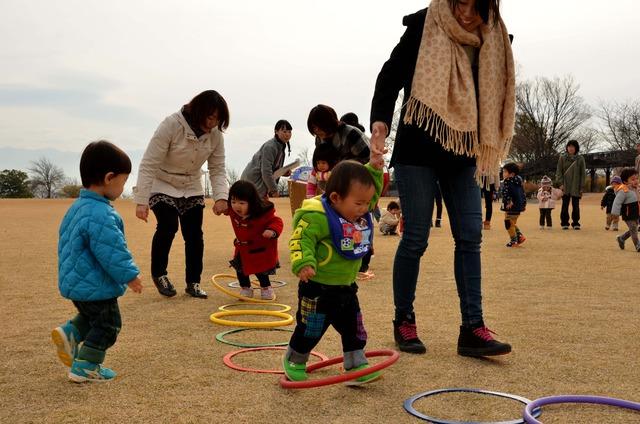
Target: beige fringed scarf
{"x":443,"y":93}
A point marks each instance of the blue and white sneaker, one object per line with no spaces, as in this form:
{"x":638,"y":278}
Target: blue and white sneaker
{"x":85,"y":371}
{"x":66,"y":338}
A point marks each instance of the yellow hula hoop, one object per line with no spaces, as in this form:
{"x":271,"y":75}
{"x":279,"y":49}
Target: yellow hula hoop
{"x":284,"y":308}
{"x":216,"y":318}
{"x":234,"y":294}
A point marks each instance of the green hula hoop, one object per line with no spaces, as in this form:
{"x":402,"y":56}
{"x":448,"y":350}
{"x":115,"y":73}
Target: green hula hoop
{"x":220,"y":338}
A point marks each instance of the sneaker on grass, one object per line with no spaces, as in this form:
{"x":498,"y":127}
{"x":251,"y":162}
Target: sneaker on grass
{"x":246,"y":291}
{"x":293,"y":371}
{"x":266,"y":293}
{"x":364,"y":379}
{"x":66,"y":338}
{"x":85,"y":371}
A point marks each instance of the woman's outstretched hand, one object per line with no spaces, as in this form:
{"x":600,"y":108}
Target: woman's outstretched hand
{"x":142,"y":212}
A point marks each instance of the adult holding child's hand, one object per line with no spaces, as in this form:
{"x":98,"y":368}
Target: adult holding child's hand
{"x":170,"y":184}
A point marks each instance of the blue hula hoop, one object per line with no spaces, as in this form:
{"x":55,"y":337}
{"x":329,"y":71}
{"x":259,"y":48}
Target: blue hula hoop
{"x":408,"y":406}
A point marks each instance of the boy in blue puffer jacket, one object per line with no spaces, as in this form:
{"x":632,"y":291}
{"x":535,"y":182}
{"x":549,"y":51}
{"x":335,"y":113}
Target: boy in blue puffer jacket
{"x":514,"y":202}
{"x":95,"y":266}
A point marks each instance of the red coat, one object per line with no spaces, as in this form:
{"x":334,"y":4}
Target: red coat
{"x":257,"y":254}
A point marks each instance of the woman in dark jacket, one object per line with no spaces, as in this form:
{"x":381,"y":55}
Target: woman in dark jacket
{"x":459,"y":88}
{"x":570,"y":175}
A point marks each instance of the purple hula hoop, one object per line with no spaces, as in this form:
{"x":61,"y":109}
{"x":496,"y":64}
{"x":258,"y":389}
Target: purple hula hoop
{"x":601,"y":400}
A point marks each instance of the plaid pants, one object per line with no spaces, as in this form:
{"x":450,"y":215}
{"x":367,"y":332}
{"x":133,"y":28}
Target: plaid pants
{"x":320,"y":306}
{"x":99,"y":323}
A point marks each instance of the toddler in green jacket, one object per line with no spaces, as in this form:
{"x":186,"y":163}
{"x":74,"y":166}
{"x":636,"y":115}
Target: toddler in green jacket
{"x":331,"y":234}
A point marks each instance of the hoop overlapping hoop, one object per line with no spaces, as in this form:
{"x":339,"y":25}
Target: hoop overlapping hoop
{"x":276,"y":284}
{"x":530,"y":418}
{"x":283,"y":307}
{"x":216,"y":318}
{"x":334,"y":379}
{"x":220,"y":338}
{"x":234,"y":294}
{"x":408,"y":405}
{"x":229,"y":356}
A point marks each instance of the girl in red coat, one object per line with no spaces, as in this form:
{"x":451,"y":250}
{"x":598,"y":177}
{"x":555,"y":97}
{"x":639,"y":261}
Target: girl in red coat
{"x":257,"y":229}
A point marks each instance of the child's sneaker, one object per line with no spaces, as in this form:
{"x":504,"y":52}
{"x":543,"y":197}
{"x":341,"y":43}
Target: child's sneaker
{"x":85,"y":371}
{"x":620,"y":242}
{"x":542,"y":227}
{"x":478,"y":341}
{"x":512,"y":243}
{"x":565,"y":227}
{"x":576,"y":227}
{"x":606,"y":228}
{"x":614,"y":227}
{"x":521,"y":239}
{"x":364,"y":379}
{"x":246,"y":292}
{"x":266,"y":293}
{"x":486,"y":225}
{"x":66,"y":338}
{"x":293,"y":371}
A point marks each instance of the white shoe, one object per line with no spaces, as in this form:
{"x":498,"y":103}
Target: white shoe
{"x":246,"y":292}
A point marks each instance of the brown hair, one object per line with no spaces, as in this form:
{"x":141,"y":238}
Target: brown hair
{"x":206,"y":104}
{"x":324,"y":118}
{"x":485,"y":8}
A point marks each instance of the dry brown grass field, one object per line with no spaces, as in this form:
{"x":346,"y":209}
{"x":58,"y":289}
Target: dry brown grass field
{"x":567,"y":301}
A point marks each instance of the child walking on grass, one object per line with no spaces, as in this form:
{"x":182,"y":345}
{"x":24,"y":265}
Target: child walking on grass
{"x":257,"y":229}
{"x":95,"y":266}
{"x":625,"y":206}
{"x":607,"y":203}
{"x":331,"y":235}
{"x":514,"y":202}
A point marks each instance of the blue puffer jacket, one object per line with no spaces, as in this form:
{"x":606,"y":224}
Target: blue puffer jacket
{"x":94,"y":262}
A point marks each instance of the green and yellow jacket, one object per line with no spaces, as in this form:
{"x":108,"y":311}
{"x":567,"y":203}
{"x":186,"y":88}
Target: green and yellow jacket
{"x":311,"y":243}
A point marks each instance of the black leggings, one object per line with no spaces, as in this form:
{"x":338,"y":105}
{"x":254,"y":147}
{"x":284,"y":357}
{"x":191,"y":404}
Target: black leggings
{"x":488,"y":201}
{"x":545,"y":216}
{"x":166,"y":228}
{"x":263,"y":278}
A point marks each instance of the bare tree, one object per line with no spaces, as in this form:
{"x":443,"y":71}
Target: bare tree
{"x":549,"y":112}
{"x":622,"y":124}
{"x":304,"y":158}
{"x":395,"y":122}
{"x":46,"y":177}
{"x":232,"y":176}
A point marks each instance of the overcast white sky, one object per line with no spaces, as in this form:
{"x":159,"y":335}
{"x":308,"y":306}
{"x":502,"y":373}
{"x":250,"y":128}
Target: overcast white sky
{"x":74,"y":71}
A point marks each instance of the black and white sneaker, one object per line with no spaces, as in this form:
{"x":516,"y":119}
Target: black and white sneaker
{"x":164,"y":286}
{"x":194,"y":290}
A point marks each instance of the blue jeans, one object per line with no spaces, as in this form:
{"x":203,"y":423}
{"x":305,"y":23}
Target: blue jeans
{"x":461,"y":194}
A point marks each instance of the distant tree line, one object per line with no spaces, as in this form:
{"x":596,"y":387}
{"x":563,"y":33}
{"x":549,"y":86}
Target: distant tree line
{"x":43,"y":180}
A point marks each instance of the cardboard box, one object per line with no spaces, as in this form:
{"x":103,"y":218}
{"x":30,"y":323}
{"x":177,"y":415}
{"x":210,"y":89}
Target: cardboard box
{"x":297,"y":193}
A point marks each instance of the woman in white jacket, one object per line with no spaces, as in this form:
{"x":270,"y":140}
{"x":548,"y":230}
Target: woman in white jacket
{"x":170,"y":184}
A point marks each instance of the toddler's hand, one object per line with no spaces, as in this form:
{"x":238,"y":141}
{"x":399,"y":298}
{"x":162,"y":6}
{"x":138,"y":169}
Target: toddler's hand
{"x":306,"y":273}
{"x":269,"y":234}
{"x":142,"y":212}
{"x":135,"y":285}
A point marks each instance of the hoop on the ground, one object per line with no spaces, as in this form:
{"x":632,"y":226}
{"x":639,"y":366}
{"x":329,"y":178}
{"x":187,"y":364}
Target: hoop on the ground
{"x":530,"y":418}
{"x":216,"y":318}
{"x":220,"y":338}
{"x":392,"y":357}
{"x":255,"y":284}
{"x":234,"y":294}
{"x":283,"y":307}
{"x":408,"y":405}
{"x":229,"y":356}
